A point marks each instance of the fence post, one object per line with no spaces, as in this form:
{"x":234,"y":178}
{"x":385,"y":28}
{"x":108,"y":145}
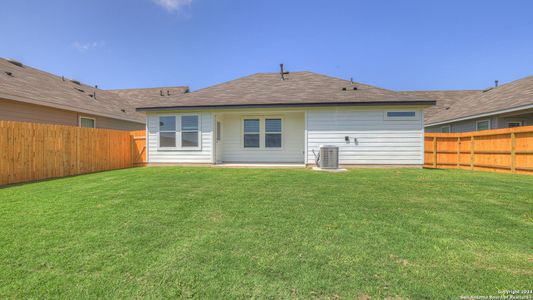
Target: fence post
{"x":78,"y":133}
{"x":458,"y":152}
{"x":132,"y":141}
{"x":434,"y":152}
{"x":472,"y":152}
{"x":513,"y":152}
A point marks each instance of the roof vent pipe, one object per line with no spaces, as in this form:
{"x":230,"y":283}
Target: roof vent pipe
{"x":161,"y":93}
{"x":496,"y":83}
{"x":283,"y":73}
{"x":168,"y":93}
{"x":15,"y":62}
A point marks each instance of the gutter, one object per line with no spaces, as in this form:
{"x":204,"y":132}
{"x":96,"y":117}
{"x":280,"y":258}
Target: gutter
{"x":528,"y":106}
{"x":311,"y":104}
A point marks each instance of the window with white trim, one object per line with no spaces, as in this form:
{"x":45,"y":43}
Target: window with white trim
{"x":401,"y":115}
{"x":167,"y":132}
{"x":273,"y":133}
{"x":446,"y":129}
{"x":483,"y":125}
{"x":189,"y":131}
{"x":512,"y":124}
{"x":251,"y":136}
{"x":86,"y":122}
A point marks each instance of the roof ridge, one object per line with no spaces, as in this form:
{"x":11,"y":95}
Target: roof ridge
{"x":488,"y":102}
{"x":61,"y":78}
{"x":149,"y":88}
{"x":221,"y":83}
{"x":110,"y":104}
{"x":422,"y":91}
{"x":352,"y":82}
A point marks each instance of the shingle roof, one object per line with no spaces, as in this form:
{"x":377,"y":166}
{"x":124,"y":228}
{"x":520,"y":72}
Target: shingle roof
{"x":297,"y":88}
{"x":147,"y":96}
{"x":515,"y":94}
{"x":445,"y":100}
{"x":30,"y":85}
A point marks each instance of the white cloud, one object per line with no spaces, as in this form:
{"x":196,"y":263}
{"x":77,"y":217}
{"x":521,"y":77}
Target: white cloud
{"x":173,"y":5}
{"x":83,"y":47}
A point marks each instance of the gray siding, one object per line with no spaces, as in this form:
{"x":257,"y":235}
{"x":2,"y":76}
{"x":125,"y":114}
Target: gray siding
{"x":496,"y":122}
{"x":527,"y":120}
{"x":25,"y":112}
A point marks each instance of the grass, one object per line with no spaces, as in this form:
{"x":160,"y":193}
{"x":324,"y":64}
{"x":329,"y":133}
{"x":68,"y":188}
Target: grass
{"x":244,"y":233}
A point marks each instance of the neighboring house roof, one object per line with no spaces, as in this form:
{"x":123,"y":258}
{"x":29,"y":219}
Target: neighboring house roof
{"x":298,"y":88}
{"x":445,"y":100}
{"x":147,"y":96}
{"x":26,"y":84}
{"x":515,"y":95}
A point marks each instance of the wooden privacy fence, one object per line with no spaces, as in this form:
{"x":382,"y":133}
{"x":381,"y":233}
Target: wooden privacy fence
{"x":501,"y":150}
{"x":31,"y":151}
{"x":138,"y":147}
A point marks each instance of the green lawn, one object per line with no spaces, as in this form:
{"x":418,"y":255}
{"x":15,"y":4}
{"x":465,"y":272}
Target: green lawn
{"x":245,"y":233}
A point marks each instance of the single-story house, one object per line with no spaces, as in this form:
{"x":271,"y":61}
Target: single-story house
{"x":282,"y":118}
{"x":504,"y":106}
{"x":31,"y":95}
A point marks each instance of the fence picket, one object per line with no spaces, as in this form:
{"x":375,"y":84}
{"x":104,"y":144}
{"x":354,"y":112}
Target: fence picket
{"x":499,"y":150}
{"x":32,"y":151}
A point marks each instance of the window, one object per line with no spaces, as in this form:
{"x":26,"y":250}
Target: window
{"x":514,"y":124}
{"x":395,"y":114}
{"x":273,"y":133}
{"x":189,"y":131}
{"x":87,"y":122}
{"x":167,"y":132}
{"x":483,"y":125}
{"x":445,"y":129}
{"x":219,"y":133}
{"x":251,"y":133}
{"x":401,"y":115}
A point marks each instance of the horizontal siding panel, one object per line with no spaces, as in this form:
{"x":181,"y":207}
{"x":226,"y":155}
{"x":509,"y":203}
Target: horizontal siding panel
{"x":367,"y":134}
{"x":382,"y":162}
{"x":181,"y":156}
{"x":379,"y":141}
{"x":366,"y":144}
{"x":366,"y":126}
{"x":379,"y":151}
{"x":340,"y":140}
{"x":293,"y":140}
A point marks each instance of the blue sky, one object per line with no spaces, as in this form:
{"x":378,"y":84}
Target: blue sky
{"x":402,"y":45}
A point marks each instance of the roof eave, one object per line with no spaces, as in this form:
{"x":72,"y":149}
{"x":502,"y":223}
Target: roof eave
{"x":67,"y":108}
{"x":269,"y":105}
{"x":488,"y":114}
